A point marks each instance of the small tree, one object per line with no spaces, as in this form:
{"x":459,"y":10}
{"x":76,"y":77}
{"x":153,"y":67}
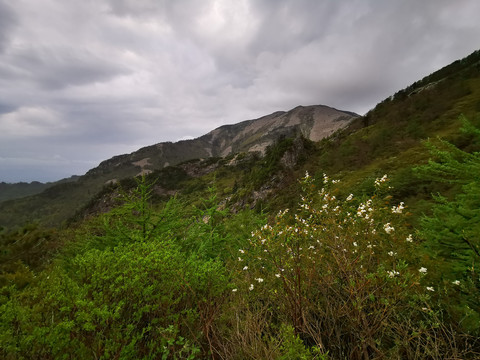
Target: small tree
{"x":452,"y":231}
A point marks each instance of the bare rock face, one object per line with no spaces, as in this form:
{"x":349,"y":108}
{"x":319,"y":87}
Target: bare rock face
{"x":291,"y":156}
{"x":313,"y":122}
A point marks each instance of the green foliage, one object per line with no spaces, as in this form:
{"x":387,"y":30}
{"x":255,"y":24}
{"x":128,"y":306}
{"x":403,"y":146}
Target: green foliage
{"x":451,"y":232}
{"x":132,"y":301}
{"x":132,"y":293}
{"x":340,"y":278}
{"x":213,"y":230}
{"x":293,"y":348}
{"x":26,"y":251}
{"x":134,"y":220}
{"x":271,"y":162}
{"x":207,"y":230}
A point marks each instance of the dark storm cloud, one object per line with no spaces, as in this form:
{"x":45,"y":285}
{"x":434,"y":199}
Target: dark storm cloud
{"x":81,"y":81}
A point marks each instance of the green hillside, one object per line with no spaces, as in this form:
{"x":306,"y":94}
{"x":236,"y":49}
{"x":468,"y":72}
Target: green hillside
{"x":361,"y":246}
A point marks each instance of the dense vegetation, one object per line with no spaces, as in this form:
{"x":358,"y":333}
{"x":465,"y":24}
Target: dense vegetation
{"x":270,"y":257}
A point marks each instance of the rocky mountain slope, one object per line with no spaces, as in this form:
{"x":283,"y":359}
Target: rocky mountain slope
{"x":312,"y":122}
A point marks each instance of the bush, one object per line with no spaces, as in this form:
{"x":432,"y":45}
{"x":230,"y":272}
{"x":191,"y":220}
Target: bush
{"x":344,"y":274}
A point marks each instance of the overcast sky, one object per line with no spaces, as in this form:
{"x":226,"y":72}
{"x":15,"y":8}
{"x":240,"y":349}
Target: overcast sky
{"x":84,"y":80}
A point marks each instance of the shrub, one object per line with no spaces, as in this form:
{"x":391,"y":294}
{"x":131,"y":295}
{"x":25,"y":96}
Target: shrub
{"x":344,"y":274}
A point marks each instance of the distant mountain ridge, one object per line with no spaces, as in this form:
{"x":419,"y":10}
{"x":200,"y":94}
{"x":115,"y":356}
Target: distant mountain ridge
{"x":21,"y":189}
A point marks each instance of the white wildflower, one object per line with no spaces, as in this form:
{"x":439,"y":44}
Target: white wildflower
{"x":409,"y":238}
{"x":393,"y":273}
{"x":259,"y":280}
{"x":350,"y":197}
{"x":240,"y":259}
{"x":456,"y":282}
{"x":429,"y":288}
{"x":277,"y":275}
{"x":422,"y":270}
{"x":245,"y":268}
{"x":242,"y":251}
{"x":251,"y":287}
{"x":234,"y":290}
{"x":388,"y":228}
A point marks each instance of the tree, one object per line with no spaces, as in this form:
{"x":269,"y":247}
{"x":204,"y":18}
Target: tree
{"x":451,"y":233}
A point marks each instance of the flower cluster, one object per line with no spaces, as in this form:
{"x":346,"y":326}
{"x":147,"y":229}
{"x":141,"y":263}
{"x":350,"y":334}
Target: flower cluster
{"x":392,"y":273}
{"x":398,"y":209}
{"x":388,"y":228}
{"x":365,"y":210}
{"x":380,"y":181}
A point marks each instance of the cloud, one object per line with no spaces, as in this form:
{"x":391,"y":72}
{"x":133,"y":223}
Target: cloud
{"x":7,"y":23}
{"x":92,"y":79}
{"x":54,"y":68}
{"x":27,"y":122}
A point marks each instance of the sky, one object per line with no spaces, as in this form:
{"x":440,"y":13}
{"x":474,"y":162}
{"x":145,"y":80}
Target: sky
{"x":82,"y":81}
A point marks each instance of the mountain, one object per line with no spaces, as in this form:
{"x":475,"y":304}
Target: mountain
{"x":313,"y":122}
{"x":9,"y":191}
{"x":62,"y":200}
{"x":355,"y":149}
{"x":21,"y":189}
